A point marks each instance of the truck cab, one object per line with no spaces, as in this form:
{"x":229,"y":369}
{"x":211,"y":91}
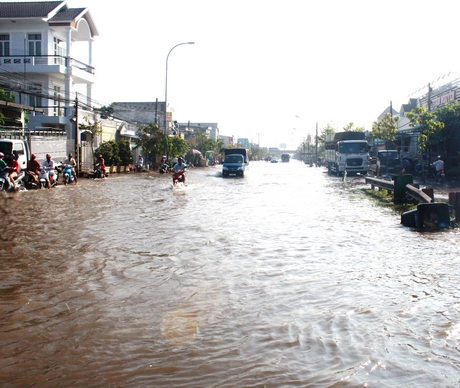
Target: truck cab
{"x":236,"y":162}
{"x":16,"y":146}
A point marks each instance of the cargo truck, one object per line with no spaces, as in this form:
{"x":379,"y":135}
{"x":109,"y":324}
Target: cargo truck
{"x":236,"y":162}
{"x":347,"y":152}
{"x":25,"y":142}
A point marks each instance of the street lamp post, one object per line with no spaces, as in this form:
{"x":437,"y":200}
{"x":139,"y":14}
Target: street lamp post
{"x":165,"y":132}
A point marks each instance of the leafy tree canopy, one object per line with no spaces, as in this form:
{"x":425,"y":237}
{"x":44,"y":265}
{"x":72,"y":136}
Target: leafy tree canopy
{"x":386,"y":128}
{"x":351,"y":128}
{"x":427,"y":121}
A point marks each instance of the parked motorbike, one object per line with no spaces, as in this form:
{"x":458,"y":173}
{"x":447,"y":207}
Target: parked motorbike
{"x":177,"y":177}
{"x":67,"y":173}
{"x":52,"y":175}
{"x":164,"y":168}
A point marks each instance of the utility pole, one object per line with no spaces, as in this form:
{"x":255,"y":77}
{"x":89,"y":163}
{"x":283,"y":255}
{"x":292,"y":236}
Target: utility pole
{"x":316,"y":145}
{"x":77,"y":135}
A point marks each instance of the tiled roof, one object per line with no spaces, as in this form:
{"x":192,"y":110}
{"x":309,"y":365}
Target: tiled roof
{"x":67,"y":14}
{"x":28,"y":9}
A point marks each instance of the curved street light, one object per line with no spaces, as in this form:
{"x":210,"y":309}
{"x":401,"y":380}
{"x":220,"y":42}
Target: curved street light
{"x":166,"y":89}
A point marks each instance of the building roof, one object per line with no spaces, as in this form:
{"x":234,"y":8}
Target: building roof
{"x":53,"y":12}
{"x":28,"y":9}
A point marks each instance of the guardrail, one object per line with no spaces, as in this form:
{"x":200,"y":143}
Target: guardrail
{"x":380,"y":183}
{"x":401,"y":189}
{"x":418,"y":194}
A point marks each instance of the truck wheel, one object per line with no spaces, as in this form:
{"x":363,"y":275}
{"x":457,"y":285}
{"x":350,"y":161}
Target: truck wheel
{"x":337,"y":172}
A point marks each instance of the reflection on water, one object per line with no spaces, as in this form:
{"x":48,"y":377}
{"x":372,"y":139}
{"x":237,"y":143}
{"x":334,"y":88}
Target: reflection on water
{"x":286,"y":277}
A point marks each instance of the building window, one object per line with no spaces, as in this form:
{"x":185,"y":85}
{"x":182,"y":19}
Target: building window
{"x":4,"y":45}
{"x":59,"y":51}
{"x":57,"y":110}
{"x":35,"y":44}
{"x":35,"y":98}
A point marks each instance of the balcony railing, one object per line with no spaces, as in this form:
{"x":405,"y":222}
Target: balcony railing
{"x":47,"y":60}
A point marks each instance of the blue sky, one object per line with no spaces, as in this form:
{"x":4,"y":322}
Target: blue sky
{"x":270,"y":70}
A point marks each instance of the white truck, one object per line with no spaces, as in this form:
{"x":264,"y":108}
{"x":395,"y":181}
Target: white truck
{"x":347,"y":152}
{"x":39,"y":142}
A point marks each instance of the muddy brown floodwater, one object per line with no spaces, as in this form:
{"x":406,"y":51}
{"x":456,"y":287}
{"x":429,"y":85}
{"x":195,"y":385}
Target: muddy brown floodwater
{"x":287,"y":277}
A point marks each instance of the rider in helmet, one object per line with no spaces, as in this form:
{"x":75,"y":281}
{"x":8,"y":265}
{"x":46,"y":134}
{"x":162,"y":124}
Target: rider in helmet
{"x":438,"y":164}
{"x":70,"y":160}
{"x":2,"y":162}
{"x":180,"y":166}
{"x":33,"y":167}
{"x":13,"y":164}
{"x":49,"y":166}
{"x":100,"y":163}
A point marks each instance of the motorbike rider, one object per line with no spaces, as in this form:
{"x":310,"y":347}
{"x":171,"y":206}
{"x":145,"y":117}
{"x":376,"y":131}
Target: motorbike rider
{"x":404,"y":163}
{"x":180,"y":166}
{"x":139,"y":163}
{"x":70,"y":160}
{"x":13,"y":164}
{"x":49,"y":166}
{"x":100,"y":163}
{"x":438,"y":164}
{"x":33,"y":167}
{"x":2,"y":162}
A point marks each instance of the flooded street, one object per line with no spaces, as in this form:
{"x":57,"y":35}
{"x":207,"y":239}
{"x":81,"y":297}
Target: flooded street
{"x":287,"y":277}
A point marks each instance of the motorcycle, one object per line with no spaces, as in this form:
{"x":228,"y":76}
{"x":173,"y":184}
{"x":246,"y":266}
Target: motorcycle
{"x":440,"y":176}
{"x":45,"y":173}
{"x":98,"y":172}
{"x":4,"y":181}
{"x":164,"y":168}
{"x":31,"y":180}
{"x":437,"y":176}
{"x":178,"y":177}
{"x":67,"y":173}
{"x":5,"y":184}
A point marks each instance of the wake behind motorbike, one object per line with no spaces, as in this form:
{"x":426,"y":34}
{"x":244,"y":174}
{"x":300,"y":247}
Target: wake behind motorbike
{"x":67,"y":173}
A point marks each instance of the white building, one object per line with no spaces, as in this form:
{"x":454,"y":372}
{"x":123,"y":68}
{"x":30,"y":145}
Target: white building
{"x":46,"y":58}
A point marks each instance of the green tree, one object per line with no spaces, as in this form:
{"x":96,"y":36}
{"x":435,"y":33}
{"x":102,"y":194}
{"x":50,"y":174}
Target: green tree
{"x":151,"y":140}
{"x":447,"y":140}
{"x":427,"y":121}
{"x":124,"y":152}
{"x":5,"y":96}
{"x":351,"y":128}
{"x":385,"y":129}
{"x":327,"y":130}
{"x":176,"y":146}
{"x":109,"y":151}
{"x":257,"y":153}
